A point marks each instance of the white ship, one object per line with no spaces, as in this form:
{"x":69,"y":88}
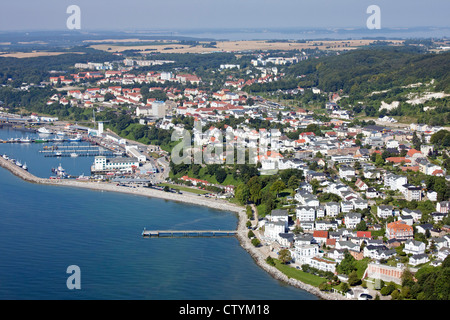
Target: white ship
{"x":44,"y":130}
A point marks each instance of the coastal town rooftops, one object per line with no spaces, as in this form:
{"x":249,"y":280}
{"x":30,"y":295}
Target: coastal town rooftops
{"x":279,"y":212}
{"x":122,"y":160}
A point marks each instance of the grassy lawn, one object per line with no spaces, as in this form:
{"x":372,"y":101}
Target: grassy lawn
{"x":299,"y":274}
{"x":229,"y":180}
{"x":362,"y":266}
{"x":185,"y":189}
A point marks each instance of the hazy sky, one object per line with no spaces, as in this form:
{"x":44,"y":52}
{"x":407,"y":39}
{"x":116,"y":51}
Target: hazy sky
{"x":189,"y":14}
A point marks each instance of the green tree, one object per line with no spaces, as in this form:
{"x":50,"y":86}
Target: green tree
{"x":347,"y":265}
{"x":256,"y":242}
{"x":362,"y":226}
{"x":345,"y":287}
{"x":254,"y":186}
{"x":278,"y":186}
{"x":293,"y":182}
{"x":379,"y":161}
{"x":270,"y":261}
{"x":353,"y":278}
{"x":242,"y":193}
{"x":221,"y":175}
{"x":284,"y":255}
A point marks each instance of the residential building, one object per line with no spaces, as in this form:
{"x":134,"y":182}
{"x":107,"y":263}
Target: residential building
{"x":352,"y":219}
{"x":301,"y":253}
{"x":272,"y":230}
{"x":306,"y":213}
{"x":385,"y":211}
{"x":322,"y":264}
{"x":414,"y":247}
{"x":332,"y":209}
{"x":399,"y":230}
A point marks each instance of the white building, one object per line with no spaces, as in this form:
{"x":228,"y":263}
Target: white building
{"x":384,"y":211}
{"x":134,"y":153}
{"x":352,"y":219}
{"x":332,"y":209}
{"x":395,"y":182}
{"x":159,"y":109}
{"x":346,"y":172}
{"x":306,"y":213}
{"x":414,"y":247}
{"x":101,"y":163}
{"x":321,"y":264}
{"x":300,"y":254}
{"x":272,"y":230}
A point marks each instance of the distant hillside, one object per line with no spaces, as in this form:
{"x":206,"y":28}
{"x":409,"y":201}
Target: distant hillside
{"x":360,"y":72}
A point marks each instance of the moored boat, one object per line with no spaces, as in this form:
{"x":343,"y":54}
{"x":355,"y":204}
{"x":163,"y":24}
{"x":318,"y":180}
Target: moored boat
{"x":76,"y":138}
{"x":44,"y":130}
{"x":41,"y":140}
{"x":25,"y":140}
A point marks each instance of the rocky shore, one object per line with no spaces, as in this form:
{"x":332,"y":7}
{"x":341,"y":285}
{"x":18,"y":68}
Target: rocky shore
{"x":258,"y":254}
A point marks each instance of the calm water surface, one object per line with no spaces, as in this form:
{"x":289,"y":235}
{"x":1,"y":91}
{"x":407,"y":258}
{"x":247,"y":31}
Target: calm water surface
{"x":45,"y":229}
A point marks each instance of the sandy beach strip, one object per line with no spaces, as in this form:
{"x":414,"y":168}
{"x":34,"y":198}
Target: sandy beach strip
{"x":258,"y":254}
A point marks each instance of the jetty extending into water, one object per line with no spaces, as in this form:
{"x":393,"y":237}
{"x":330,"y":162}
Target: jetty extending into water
{"x":188,"y":233}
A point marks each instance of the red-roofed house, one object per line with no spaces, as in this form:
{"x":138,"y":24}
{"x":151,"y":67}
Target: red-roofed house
{"x":397,"y":160}
{"x":331,"y":242}
{"x":364,"y":234}
{"x":195,"y":181}
{"x":412,"y":152}
{"x":399,"y":230}
{"x":320,"y":236}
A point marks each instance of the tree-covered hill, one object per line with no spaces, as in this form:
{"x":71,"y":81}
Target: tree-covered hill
{"x":360,"y":72}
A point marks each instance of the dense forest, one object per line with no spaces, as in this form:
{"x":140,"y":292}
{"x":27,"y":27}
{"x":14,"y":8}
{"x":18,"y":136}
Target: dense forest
{"x":361,"y":72}
{"x":34,"y":70}
{"x":358,"y":74}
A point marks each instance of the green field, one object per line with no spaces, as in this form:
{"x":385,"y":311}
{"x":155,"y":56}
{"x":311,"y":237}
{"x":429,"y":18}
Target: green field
{"x":184,"y":189}
{"x":299,"y":274}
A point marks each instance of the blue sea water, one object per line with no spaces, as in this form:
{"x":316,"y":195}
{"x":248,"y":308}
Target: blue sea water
{"x":45,"y":229}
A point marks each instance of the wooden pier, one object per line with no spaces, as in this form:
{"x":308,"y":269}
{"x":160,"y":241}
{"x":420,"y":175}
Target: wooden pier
{"x":188,"y":233}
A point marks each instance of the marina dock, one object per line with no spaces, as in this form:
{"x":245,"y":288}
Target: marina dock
{"x":188,"y":233}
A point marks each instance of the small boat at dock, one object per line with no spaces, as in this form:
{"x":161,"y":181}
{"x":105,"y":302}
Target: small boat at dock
{"x":77,"y":138}
{"x":59,"y":171}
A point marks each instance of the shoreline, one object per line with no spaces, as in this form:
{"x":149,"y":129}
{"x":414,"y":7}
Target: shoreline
{"x":242,"y":230}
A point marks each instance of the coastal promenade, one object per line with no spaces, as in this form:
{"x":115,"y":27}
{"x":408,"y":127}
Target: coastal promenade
{"x":258,"y":254}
